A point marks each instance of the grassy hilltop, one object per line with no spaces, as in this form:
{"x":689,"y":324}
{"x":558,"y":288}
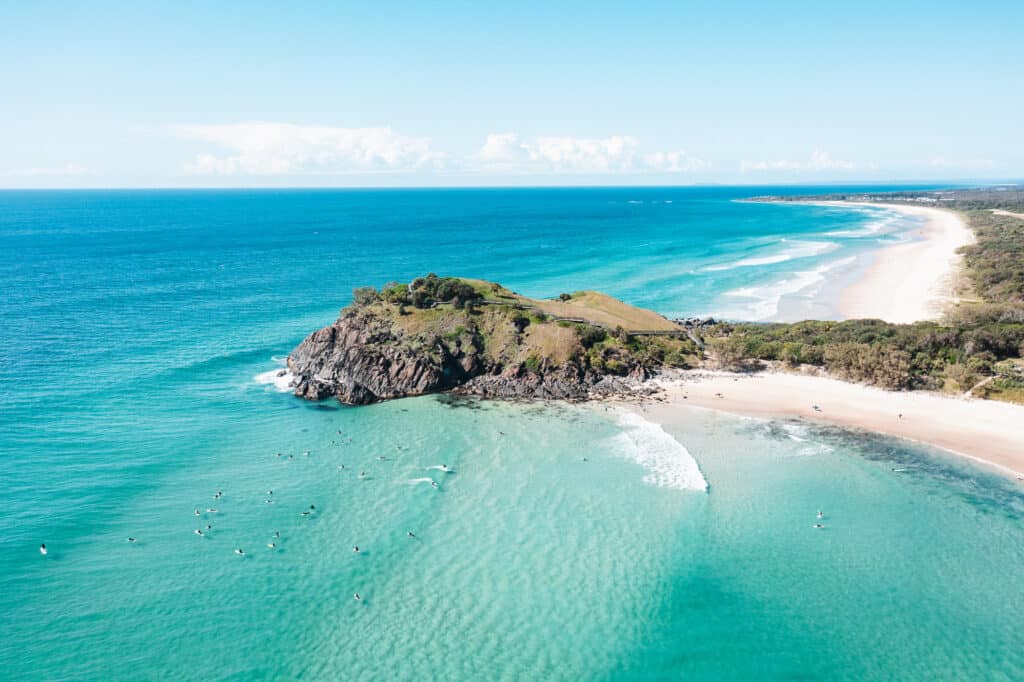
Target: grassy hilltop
{"x":512,"y":330}
{"x":444,"y":333}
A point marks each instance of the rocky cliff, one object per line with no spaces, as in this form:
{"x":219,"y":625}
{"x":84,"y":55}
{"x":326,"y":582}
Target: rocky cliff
{"x":422,"y":338}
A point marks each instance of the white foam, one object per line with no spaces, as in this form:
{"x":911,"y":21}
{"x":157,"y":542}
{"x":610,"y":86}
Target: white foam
{"x":416,"y":481}
{"x":795,"y":249}
{"x":882,"y":225}
{"x":668,"y":463}
{"x":281,"y":379}
{"x":765,"y":299}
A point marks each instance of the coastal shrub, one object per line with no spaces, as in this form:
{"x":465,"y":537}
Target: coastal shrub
{"x":395,"y":292}
{"x":590,"y":335}
{"x":365,"y":296}
{"x":565,"y":297}
{"x":532,"y":364}
{"x":961,"y":376}
{"x":729,"y":352}
{"x":615,"y":366}
{"x":874,"y":364}
{"x":426,"y":291}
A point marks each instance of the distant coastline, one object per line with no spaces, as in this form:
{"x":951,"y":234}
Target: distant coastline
{"x":901,"y":283}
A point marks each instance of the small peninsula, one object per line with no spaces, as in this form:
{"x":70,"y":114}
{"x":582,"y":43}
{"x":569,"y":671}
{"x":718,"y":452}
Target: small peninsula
{"x":479,"y":338}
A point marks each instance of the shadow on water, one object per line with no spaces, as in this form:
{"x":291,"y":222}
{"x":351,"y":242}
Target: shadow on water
{"x":918,"y":464}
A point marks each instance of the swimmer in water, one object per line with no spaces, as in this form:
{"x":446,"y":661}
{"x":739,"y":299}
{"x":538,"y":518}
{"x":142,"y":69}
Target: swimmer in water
{"x":355,"y":549}
{"x":271,"y":545}
{"x":433,"y":484}
{"x":306,"y":453}
{"x":269,"y":501}
{"x":212,"y":510}
{"x":198,"y":532}
{"x":356,"y":596}
{"x":820,"y":515}
{"x":239,"y":552}
{"x":270,"y":492}
{"x":382,"y":458}
{"x":131,"y":539}
{"x":277,"y":534}
{"x":196,"y":512}
{"x":362,"y":474}
{"x":306,"y":513}
{"x":410,"y":534}
{"x":818,"y":525}
{"x":209,"y":527}
{"x":42,"y":549}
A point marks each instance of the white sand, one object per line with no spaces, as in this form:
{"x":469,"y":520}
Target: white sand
{"x":914,"y":281}
{"x":987,"y":431}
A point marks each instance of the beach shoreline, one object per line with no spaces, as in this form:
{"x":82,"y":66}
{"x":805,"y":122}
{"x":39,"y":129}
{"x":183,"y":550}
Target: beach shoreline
{"x":912,"y":281}
{"x":987,"y":432}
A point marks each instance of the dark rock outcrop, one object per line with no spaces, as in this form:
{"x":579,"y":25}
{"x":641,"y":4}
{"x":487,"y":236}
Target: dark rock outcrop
{"x":367,"y":357}
{"x":363,"y":358}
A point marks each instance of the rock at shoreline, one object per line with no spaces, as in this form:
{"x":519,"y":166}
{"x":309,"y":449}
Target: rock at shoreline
{"x":483,"y":340}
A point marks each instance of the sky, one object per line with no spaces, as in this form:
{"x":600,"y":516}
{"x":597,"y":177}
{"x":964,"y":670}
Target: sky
{"x":224,"y":94}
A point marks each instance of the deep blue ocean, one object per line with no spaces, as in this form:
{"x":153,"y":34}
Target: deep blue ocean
{"x":568,"y":543}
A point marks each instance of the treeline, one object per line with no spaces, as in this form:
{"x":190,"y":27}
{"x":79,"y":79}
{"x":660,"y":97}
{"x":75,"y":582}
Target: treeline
{"x":974,"y":341}
{"x":423,"y":292}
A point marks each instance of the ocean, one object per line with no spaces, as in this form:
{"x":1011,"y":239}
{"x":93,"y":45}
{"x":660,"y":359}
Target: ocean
{"x":140,"y":335}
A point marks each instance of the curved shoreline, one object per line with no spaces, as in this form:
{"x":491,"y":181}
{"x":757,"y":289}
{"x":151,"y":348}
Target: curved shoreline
{"x":987,"y":432}
{"x":914,"y":281}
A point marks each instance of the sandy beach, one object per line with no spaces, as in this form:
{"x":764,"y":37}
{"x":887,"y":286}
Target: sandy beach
{"x":913,"y":281}
{"x":986,"y":431}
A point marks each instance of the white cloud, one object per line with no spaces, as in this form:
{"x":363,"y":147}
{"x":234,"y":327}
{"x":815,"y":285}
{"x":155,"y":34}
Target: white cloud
{"x":263,"y":148}
{"x":65,"y":170}
{"x":615,"y":154}
{"x":819,"y":161}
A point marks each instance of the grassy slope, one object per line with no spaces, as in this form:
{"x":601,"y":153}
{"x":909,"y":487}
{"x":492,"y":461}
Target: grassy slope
{"x":513,"y":330}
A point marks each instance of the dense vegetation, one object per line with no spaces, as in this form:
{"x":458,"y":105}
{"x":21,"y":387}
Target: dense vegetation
{"x":983,"y":338}
{"x":513,"y":331}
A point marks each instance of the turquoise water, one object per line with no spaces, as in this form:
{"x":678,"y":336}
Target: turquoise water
{"x":569,"y":543}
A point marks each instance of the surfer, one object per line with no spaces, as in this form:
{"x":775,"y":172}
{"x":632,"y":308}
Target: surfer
{"x":42,"y":549}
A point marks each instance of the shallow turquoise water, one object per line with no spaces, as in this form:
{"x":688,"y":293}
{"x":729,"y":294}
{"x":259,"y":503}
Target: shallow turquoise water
{"x":135,"y":323}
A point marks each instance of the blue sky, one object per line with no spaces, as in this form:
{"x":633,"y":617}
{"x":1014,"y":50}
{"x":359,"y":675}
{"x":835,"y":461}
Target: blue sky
{"x":382,"y":93}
